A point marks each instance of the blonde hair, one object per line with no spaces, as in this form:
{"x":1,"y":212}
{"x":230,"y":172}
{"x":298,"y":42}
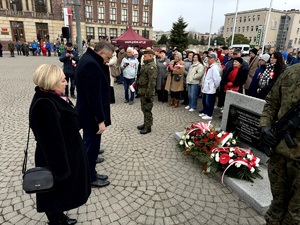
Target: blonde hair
{"x":47,"y":76}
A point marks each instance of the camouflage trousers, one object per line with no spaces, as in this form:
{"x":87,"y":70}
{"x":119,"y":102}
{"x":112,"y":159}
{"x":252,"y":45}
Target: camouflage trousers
{"x":147,"y":105}
{"x":284,"y":176}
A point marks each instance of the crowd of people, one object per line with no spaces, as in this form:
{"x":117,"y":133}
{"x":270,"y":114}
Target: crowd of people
{"x":172,"y":76}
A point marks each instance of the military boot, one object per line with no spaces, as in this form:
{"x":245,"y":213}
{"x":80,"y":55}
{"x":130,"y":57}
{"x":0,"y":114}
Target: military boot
{"x":146,"y":130}
{"x":141,"y":127}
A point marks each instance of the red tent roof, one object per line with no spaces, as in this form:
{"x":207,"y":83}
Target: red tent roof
{"x":130,"y":37}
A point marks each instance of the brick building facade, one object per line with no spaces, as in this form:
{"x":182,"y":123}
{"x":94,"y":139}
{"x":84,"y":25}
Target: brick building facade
{"x":24,"y":19}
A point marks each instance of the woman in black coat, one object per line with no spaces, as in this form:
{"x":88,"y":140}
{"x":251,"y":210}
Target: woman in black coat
{"x":59,"y":146}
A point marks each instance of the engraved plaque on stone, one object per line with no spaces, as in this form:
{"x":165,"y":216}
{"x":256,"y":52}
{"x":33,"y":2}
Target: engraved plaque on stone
{"x":244,"y":123}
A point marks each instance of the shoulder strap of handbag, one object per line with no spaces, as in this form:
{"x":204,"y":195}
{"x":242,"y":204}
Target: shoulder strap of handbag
{"x":28,"y":135}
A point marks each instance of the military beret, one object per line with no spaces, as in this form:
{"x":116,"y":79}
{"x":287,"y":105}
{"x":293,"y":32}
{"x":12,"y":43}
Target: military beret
{"x":149,"y":51}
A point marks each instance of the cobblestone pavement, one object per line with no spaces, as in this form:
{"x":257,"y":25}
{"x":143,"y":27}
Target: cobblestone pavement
{"x":151,"y":181}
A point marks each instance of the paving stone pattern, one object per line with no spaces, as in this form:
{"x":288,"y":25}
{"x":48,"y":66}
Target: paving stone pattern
{"x":151,"y":181}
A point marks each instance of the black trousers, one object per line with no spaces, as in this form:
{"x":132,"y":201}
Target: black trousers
{"x":55,"y":217}
{"x":72,"y":83}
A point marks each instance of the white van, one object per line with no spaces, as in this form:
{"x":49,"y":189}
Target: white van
{"x":243,"y":47}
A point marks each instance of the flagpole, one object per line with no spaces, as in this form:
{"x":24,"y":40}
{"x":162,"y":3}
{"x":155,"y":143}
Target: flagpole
{"x":211,"y":21}
{"x":267,"y":27}
{"x":234,"y":24}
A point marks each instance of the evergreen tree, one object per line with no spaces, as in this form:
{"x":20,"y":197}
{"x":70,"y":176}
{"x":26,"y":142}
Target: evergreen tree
{"x":163,"y":40}
{"x":178,"y":37}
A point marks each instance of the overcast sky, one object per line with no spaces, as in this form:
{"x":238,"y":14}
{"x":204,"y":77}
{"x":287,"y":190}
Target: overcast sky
{"x":197,"y":13}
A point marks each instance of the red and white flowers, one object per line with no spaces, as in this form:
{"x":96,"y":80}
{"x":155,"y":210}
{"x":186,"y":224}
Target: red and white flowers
{"x":217,"y":149}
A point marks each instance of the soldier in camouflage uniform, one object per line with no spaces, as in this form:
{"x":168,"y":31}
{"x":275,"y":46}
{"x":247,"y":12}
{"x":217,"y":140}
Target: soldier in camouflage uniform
{"x":147,"y":82}
{"x":284,"y":164}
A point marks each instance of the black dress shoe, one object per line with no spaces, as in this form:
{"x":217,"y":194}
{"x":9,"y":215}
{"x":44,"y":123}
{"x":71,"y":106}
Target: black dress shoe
{"x":99,"y":160}
{"x":101,"y":177}
{"x":146,"y":130}
{"x":100,"y":183}
{"x":69,"y":221}
{"x":141,"y":127}
{"x":137,"y":96}
{"x":101,"y":152}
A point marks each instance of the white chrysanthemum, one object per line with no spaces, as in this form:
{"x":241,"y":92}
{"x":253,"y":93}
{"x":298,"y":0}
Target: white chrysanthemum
{"x":238,"y":165}
{"x":252,"y":170}
{"x":228,"y":143}
{"x":187,"y":136}
{"x":212,"y":155}
{"x":181,"y":142}
{"x":249,"y":156}
{"x":233,"y":142}
{"x":231,"y":154}
{"x":231,"y":149}
{"x":183,"y":137}
{"x":219,"y":135}
{"x":190,"y":143}
{"x":217,"y":158}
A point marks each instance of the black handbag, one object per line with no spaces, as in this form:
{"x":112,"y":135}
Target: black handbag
{"x":177,"y":77}
{"x":38,"y":179}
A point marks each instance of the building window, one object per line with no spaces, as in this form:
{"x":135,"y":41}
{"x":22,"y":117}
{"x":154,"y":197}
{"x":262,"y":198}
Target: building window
{"x":254,"y":39}
{"x":16,"y":5}
{"x":40,"y":6}
{"x":297,"y":30}
{"x":88,"y":12}
{"x":299,"y":41}
{"x":112,"y":14}
{"x":101,"y":32}
{"x":137,"y":31}
{"x":258,"y":17}
{"x":123,"y":31}
{"x":228,"y":20}
{"x":135,"y":2}
{"x":254,"y":18}
{"x":240,"y":19}
{"x":250,"y":39}
{"x":295,"y":41}
{"x":113,"y":32}
{"x":90,"y":32}
{"x":239,"y":29}
{"x":123,"y":1}
{"x":145,"y":2}
{"x":124,"y":15}
{"x":227,"y":29}
{"x":252,"y":28}
{"x":145,"y":17}
{"x":112,"y":0}
{"x":244,"y":18}
{"x":232,"y":19}
{"x":256,"y":28}
{"x":230,"y":29}
{"x":135,"y":15}
{"x":247,"y":28}
{"x":249,"y":18}
{"x":101,"y":13}
{"x":243,"y":29}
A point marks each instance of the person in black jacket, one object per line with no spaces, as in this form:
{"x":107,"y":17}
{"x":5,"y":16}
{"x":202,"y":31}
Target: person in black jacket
{"x":59,"y":146}
{"x":93,"y":102}
{"x":268,"y":78}
{"x":70,"y":59}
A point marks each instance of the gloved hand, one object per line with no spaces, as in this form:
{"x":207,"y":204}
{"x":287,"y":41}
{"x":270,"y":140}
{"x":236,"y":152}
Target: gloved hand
{"x":268,"y":137}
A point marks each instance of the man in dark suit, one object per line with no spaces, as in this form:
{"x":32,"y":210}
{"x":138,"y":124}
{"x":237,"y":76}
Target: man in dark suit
{"x":93,"y":103}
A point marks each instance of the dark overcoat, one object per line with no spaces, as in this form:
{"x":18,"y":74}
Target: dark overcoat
{"x":93,"y":91}
{"x":59,"y":146}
